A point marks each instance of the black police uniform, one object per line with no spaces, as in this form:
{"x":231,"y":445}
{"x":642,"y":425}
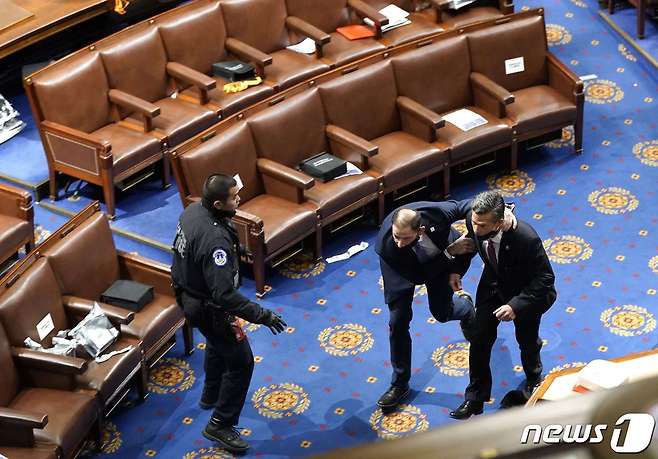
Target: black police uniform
{"x":404,"y":268}
{"x":206,"y":278}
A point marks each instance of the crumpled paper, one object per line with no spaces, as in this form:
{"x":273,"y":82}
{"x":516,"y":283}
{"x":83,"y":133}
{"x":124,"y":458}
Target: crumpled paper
{"x":350,"y":252}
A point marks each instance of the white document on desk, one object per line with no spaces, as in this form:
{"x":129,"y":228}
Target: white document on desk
{"x":457,"y":4}
{"x":306,"y":46}
{"x":351,"y":170}
{"x":465,"y":119}
{"x":397,"y":17}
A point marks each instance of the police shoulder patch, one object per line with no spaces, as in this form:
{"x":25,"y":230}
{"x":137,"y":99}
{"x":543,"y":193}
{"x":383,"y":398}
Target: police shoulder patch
{"x":219,"y":256}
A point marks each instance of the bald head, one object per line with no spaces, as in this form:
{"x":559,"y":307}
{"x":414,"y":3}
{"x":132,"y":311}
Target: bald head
{"x":406,"y":227}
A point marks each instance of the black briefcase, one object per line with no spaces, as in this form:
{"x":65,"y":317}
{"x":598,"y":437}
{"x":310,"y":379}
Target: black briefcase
{"x":128,"y":294}
{"x":234,"y":70}
{"x":324,"y":166}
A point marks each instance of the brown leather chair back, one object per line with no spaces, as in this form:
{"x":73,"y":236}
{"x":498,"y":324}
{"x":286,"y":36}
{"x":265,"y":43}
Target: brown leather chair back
{"x":259,"y":23}
{"x":194,"y":35}
{"x":74,"y":93}
{"x":85,"y":261}
{"x":363,"y":102}
{"x":490,"y":47}
{"x":136,"y":63}
{"x":233,"y":151}
{"x":328,"y":17}
{"x":291,"y":131}
{"x":10,"y":381}
{"x":436,"y":75}
{"x":28,"y":301}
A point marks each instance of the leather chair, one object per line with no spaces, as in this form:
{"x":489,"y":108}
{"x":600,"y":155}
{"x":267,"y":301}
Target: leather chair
{"x":143,"y":81}
{"x":38,"y":419}
{"x":642,"y":6}
{"x":311,"y":135}
{"x":453,"y":88}
{"x":33,"y":293}
{"x":16,"y":221}
{"x":339,"y":13}
{"x":195,"y":37}
{"x":86,"y":262}
{"x":440,"y":11}
{"x":36,"y":452}
{"x":82,"y":133}
{"x":547,"y":95}
{"x":367,"y":104}
{"x":273,"y":215}
{"x":422,"y":24}
{"x":259,"y":31}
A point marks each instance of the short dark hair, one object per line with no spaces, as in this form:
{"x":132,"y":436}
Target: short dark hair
{"x":489,"y":201}
{"x":408,"y":218}
{"x":217,"y":188}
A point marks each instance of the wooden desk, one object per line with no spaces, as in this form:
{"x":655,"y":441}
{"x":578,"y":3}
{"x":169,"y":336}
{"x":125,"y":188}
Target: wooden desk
{"x":567,"y":376}
{"x":49,"y":17}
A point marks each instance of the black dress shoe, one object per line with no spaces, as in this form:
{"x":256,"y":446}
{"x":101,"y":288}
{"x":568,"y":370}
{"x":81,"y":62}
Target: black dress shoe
{"x":467,"y":409}
{"x":228,"y":437}
{"x":392,"y":397}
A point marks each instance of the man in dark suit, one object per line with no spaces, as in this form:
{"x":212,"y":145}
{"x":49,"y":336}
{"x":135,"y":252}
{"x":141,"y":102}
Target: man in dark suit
{"x":416,"y":245}
{"x":517,"y":284}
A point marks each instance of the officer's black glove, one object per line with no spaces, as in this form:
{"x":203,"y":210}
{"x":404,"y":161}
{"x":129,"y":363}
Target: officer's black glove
{"x":275,"y":323}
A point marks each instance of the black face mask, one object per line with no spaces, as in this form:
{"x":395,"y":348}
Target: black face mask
{"x":218,"y":213}
{"x":221,"y":213}
{"x":489,"y":235}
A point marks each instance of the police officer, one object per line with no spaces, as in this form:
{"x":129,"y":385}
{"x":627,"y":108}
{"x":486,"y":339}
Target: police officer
{"x":206,"y":278}
{"x":416,"y":245}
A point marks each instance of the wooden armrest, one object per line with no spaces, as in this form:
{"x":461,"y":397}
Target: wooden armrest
{"x":304,"y":28}
{"x":284,"y":182}
{"x":17,"y":418}
{"x":441,"y":5}
{"x":248,"y":219}
{"x":493,"y":89}
{"x":419,"y":120}
{"x":147,"y":110}
{"x":190,"y":76}
{"x":16,"y":202}
{"x":308,"y":30}
{"x":49,"y":362}
{"x":284,"y":174}
{"x":149,"y":272}
{"x":76,"y":135}
{"x":367,"y":11}
{"x":350,"y":146}
{"x":249,"y":53}
{"x":420,"y":112}
{"x":80,"y":307}
{"x":133,"y":103}
{"x":347,"y":138}
{"x":564,"y":80}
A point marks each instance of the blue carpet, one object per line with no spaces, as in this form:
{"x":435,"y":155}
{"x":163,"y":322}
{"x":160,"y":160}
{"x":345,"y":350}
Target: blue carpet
{"x":46,"y":222}
{"x":626,"y":18}
{"x":145,"y":209}
{"x":315,"y":387}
